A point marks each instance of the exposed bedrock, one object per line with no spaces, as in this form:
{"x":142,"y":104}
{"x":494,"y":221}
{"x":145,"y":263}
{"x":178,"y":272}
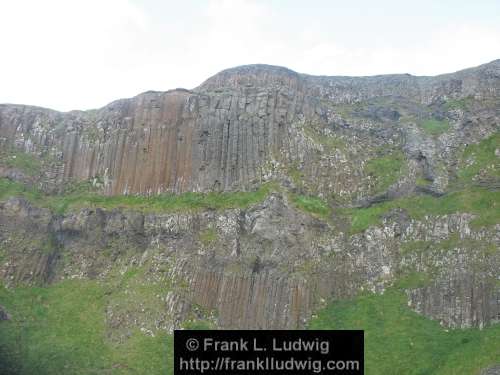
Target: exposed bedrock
{"x":329,"y":144}
{"x":252,"y":123}
{"x":269,"y":266}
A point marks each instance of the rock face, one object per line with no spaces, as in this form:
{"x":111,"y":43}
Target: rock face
{"x":266,"y":267}
{"x":352,"y":141}
{"x":230,"y":132}
{"x":495,"y":370}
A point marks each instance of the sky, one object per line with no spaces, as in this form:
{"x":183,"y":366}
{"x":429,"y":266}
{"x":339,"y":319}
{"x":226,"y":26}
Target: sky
{"x":71,"y":54}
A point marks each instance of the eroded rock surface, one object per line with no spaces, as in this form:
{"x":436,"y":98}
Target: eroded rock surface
{"x":249,"y":124}
{"x":268,"y":266}
{"x":351,"y":141}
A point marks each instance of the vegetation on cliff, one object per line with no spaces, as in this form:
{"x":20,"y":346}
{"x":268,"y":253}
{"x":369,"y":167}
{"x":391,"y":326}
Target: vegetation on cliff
{"x":399,"y":341}
{"x":481,"y":202}
{"x":343,"y":154}
{"x":81,"y":198}
{"x":63,"y":327}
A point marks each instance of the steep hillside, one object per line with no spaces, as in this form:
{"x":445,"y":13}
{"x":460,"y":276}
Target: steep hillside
{"x":240,"y":126}
{"x":263,"y":198}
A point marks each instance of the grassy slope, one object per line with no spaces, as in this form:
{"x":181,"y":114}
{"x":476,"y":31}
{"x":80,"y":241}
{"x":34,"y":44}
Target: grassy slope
{"x":159,"y":203}
{"x":60,"y":329}
{"x":22,"y":161}
{"x":480,"y":158}
{"x":311,"y":204}
{"x":435,"y":127}
{"x":481,"y":202}
{"x":399,"y":341}
{"x":386,"y":170}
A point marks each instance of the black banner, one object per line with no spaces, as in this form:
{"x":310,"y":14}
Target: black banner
{"x":268,"y":352}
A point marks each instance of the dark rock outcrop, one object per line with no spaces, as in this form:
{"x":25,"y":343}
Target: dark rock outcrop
{"x":4,"y":315}
{"x":269,"y":266}
{"x":230,"y":132}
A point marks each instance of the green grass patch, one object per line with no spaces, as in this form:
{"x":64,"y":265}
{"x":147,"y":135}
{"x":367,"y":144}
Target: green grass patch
{"x":329,"y":142}
{"x":412,"y":280}
{"x":480,"y":157}
{"x":452,"y":242}
{"x":165,"y":202}
{"x":10,"y":188}
{"x":158,"y":203}
{"x":435,"y":127}
{"x":481,"y":202}
{"x":399,"y":341}
{"x":142,"y":354}
{"x":198,"y":325}
{"x":296,"y":175}
{"x":462,"y":103}
{"x":386,"y":169}
{"x":312,"y":205}
{"x":54,"y":330}
{"x":422,"y":182}
{"x":200,"y":319}
{"x":60,"y":329}
{"x":208,"y":236}
{"x":347,"y":111}
{"x":23,"y":161}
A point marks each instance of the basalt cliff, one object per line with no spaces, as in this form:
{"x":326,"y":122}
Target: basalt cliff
{"x":258,"y":197}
